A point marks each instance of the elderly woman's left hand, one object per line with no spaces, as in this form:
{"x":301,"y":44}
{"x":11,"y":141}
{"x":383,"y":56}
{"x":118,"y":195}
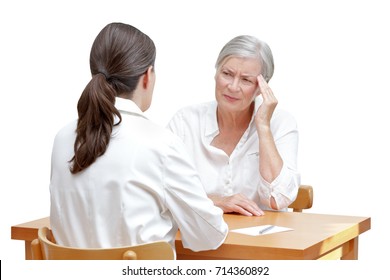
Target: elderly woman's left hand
{"x":266,"y":109}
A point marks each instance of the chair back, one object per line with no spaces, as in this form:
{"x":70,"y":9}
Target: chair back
{"x":304,"y":199}
{"x":45,"y":248}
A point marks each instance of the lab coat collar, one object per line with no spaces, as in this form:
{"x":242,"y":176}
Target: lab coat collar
{"x":127,"y":106}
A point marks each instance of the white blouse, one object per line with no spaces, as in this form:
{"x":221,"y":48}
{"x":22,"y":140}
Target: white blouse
{"x":142,"y":189}
{"x":222,"y":175}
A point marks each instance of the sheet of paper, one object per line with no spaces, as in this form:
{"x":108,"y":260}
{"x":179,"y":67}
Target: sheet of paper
{"x":261,"y":230}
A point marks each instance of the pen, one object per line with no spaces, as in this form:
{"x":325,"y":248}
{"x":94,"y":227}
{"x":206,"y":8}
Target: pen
{"x":264,"y":230}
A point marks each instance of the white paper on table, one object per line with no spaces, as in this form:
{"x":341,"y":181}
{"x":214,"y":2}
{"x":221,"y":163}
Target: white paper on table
{"x":254,"y":231}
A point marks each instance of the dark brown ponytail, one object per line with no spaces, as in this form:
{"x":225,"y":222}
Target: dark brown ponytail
{"x":119,"y":56}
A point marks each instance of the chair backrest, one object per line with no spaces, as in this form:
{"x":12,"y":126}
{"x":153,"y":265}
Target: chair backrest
{"x":304,"y":199}
{"x":45,"y":248}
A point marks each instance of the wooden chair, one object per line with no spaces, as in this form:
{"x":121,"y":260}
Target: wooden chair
{"x":304,"y":199}
{"x":45,"y":248}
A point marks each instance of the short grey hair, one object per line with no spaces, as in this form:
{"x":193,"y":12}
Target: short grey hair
{"x":247,"y":46}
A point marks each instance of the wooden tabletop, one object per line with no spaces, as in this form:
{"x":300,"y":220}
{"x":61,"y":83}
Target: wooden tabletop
{"x":312,"y":236}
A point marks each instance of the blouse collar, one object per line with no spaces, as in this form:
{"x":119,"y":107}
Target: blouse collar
{"x":212,"y":129}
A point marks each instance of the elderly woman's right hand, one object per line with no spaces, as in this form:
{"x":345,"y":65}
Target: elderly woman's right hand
{"x":237,"y":203}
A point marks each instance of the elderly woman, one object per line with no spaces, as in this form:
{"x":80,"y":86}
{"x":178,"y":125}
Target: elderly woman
{"x":244,"y":149}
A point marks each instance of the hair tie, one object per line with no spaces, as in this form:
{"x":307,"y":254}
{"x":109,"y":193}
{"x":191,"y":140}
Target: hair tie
{"x":105,"y":76}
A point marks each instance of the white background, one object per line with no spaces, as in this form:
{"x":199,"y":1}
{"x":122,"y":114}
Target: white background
{"x":331,"y":72}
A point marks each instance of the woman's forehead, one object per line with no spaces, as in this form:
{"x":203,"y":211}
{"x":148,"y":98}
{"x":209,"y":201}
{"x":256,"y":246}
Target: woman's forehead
{"x":246,"y":66}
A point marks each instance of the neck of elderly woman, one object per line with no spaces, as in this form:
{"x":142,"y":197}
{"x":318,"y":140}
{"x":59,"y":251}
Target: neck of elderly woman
{"x":230,"y":119}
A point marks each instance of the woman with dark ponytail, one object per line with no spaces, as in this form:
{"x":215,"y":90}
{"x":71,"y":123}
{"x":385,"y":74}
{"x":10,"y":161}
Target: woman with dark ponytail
{"x":117,"y":178}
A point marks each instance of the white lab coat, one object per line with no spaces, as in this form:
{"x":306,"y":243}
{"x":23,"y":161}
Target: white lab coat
{"x":142,"y":189}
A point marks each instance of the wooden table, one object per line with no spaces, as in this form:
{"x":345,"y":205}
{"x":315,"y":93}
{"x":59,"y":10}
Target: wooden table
{"x":314,"y":236}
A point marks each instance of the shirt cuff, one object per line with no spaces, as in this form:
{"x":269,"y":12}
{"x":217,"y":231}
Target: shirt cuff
{"x":284,"y":188}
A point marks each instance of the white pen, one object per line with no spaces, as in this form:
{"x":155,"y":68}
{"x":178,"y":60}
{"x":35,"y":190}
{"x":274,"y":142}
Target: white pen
{"x":264,"y":230}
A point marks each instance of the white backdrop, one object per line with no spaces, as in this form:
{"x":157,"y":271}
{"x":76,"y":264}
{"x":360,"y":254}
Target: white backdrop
{"x":332,"y":66}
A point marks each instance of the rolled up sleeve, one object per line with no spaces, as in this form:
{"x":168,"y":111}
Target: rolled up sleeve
{"x":284,"y":188}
